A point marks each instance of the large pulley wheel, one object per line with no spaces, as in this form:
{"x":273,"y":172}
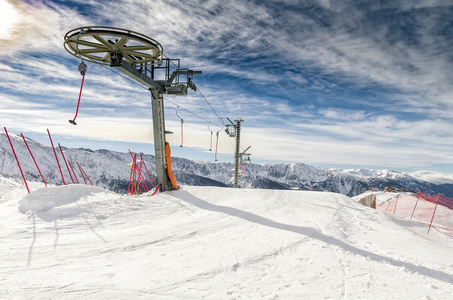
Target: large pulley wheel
{"x":98,"y":43}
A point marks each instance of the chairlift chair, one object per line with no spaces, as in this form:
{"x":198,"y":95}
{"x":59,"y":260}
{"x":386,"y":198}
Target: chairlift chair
{"x":245,"y":159}
{"x":230,"y":130}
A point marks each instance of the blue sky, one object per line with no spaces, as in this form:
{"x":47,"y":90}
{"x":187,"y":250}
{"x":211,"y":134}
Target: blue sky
{"x":349,"y":84}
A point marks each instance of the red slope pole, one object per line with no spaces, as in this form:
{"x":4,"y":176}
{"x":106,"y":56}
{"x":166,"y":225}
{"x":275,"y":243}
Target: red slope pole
{"x":155,"y":191}
{"x":130,"y":180}
{"x":147,"y":171}
{"x":26,"y":144}
{"x":86,"y":175}
{"x":18,"y":164}
{"x":80,"y":170}
{"x":134,"y":176}
{"x":73,"y":171}
{"x":145,"y":186}
{"x":58,"y":163}
{"x":70,"y":175}
{"x":139,"y":178}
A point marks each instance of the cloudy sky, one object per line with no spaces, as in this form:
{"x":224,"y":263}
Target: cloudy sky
{"x":346,"y":84}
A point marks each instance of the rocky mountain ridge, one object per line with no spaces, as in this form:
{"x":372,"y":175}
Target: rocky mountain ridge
{"x":110,"y":169}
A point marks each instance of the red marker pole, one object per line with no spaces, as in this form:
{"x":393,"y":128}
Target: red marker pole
{"x":26,"y":144}
{"x":145,"y":186}
{"x":58,"y":163}
{"x":70,"y":175}
{"x":73,"y":171}
{"x":18,"y":164}
{"x":86,"y":175}
{"x":147,"y":171}
{"x":130,"y":179}
{"x":80,"y":170}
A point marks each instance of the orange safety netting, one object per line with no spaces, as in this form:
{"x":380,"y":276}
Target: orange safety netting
{"x":435,"y":211}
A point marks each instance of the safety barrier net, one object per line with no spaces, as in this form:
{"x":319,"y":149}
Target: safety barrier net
{"x":435,"y":211}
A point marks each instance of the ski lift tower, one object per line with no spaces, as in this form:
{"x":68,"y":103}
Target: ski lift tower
{"x":140,"y":58}
{"x":234,"y":130}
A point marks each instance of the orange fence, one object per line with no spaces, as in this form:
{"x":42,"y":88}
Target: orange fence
{"x":434,"y":211}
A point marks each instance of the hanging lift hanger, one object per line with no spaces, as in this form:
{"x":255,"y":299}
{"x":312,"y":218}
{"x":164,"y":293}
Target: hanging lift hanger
{"x":182,"y":122}
{"x":82,"y":69}
{"x":210,"y":145}
{"x":217,"y":140}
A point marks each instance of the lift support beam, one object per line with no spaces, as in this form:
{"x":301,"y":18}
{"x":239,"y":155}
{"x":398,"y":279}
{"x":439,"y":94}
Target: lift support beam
{"x":157,"y":89}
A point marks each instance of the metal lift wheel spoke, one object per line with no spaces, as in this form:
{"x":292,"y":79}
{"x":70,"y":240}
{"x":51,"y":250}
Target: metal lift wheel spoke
{"x":121,"y":43}
{"x":101,"y":40}
{"x":135,"y":48}
{"x":74,"y":43}
{"x":137,"y":53}
{"x":129,"y":59}
{"x":84,"y":51}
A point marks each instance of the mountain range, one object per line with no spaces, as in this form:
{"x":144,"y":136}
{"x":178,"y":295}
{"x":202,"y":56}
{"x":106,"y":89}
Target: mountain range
{"x":111,"y":170}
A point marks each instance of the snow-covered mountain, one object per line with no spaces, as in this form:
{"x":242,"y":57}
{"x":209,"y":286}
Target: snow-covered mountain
{"x":110,"y":169}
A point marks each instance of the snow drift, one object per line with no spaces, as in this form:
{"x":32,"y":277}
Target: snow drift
{"x":46,"y":199}
{"x":214,"y":243}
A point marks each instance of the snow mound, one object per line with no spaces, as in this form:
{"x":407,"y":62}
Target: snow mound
{"x":47,"y":198}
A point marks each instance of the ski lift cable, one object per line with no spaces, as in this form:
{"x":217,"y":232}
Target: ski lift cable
{"x":209,"y":104}
{"x":175,"y":104}
{"x":198,"y":89}
{"x":198,"y":116}
{"x":127,"y":78}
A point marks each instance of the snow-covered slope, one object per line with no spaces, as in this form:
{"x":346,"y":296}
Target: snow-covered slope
{"x":80,"y":242}
{"x":110,"y":169}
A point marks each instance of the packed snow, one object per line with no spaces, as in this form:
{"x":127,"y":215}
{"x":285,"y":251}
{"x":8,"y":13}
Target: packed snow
{"x":83,"y":242}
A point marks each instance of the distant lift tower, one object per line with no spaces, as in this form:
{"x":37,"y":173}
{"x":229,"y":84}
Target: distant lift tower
{"x":234,"y":130}
{"x":141,"y":58}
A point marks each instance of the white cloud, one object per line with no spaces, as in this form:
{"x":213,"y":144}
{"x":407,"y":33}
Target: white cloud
{"x":247,"y":42}
{"x":432,"y":176}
